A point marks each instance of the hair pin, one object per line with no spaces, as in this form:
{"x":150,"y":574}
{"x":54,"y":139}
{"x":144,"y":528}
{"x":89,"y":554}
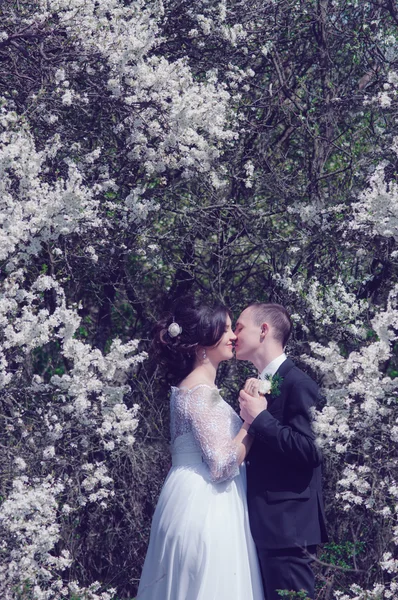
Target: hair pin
{"x":174,"y":329}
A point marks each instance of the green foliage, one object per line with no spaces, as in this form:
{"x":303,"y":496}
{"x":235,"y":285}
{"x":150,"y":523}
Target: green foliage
{"x":342,"y":554}
{"x":291,"y":595}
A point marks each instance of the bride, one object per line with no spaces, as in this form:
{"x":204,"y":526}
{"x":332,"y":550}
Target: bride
{"x":200,"y":545}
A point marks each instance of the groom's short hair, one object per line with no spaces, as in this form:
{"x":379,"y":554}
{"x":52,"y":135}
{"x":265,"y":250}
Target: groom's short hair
{"x":277,"y":316}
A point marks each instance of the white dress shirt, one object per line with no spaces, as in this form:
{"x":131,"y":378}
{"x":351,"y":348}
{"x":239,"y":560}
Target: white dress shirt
{"x":273,"y":366}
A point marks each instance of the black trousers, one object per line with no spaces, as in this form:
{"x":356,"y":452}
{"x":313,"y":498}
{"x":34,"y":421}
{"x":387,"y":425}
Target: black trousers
{"x":286,"y":569}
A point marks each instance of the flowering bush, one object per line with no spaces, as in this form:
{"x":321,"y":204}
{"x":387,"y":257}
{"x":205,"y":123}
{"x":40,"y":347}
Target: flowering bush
{"x":63,"y":420}
{"x":106,"y":90}
{"x":241,"y":150}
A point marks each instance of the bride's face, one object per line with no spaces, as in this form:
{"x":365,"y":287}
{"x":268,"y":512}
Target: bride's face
{"x":224,"y":348}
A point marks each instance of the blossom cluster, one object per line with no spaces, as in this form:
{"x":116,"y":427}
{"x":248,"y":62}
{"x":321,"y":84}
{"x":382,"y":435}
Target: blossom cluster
{"x":29,"y":517}
{"x":327,"y":304}
{"x":376,"y":211}
{"x":36,"y":211}
{"x":61,"y":190}
{"x":360,"y":418}
{"x":171,"y":121}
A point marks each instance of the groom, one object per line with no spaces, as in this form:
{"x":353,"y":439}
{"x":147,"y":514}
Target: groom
{"x":283,"y":467}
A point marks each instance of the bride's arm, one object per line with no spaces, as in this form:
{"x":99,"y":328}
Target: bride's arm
{"x":244,"y":442}
{"x":211,"y":428}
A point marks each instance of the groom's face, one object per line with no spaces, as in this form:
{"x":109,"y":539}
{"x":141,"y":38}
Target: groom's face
{"x":248,"y":335}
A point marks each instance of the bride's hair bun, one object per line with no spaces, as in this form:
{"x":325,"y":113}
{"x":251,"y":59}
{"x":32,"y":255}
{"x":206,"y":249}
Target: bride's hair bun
{"x":201,"y":325}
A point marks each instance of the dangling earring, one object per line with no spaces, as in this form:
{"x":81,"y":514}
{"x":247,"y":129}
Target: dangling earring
{"x":204,"y":355}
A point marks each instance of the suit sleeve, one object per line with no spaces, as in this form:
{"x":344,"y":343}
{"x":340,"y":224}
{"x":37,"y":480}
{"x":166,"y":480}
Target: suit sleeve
{"x":295,"y":440}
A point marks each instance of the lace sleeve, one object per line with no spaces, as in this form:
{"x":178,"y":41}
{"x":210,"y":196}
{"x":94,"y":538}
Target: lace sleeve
{"x":210,"y":419}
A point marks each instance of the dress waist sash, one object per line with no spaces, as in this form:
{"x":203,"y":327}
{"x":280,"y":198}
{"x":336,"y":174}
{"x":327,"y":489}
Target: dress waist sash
{"x":181,"y":459}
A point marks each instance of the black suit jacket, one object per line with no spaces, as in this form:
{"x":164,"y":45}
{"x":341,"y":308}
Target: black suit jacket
{"x":283,"y":467}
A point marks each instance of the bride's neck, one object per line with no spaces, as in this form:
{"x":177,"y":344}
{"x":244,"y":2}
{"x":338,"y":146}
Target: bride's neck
{"x":205,"y":371}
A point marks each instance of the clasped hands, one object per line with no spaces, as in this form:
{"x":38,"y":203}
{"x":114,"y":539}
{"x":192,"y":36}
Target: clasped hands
{"x":250,"y":401}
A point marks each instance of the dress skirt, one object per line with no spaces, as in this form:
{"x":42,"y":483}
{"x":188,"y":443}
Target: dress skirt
{"x":200,"y":545}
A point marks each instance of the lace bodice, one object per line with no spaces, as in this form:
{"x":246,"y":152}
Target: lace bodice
{"x":202,"y":421}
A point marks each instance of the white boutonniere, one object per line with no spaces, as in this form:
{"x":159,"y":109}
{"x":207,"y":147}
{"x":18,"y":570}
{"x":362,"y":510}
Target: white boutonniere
{"x":264,"y":386}
{"x":270,"y":385}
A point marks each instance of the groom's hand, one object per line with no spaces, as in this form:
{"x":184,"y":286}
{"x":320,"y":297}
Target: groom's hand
{"x":251,"y":404}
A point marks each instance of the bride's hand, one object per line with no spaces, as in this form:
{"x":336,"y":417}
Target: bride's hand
{"x":251,"y":386}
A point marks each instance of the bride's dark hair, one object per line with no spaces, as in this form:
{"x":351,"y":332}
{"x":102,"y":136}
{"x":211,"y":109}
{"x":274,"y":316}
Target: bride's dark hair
{"x":201,"y":324}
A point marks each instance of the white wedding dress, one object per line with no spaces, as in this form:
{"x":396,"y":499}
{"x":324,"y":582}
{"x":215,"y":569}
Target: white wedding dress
{"x":200,"y":546}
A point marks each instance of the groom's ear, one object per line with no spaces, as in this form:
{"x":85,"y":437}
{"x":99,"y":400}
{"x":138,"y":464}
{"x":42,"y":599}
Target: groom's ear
{"x":264,"y":329}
